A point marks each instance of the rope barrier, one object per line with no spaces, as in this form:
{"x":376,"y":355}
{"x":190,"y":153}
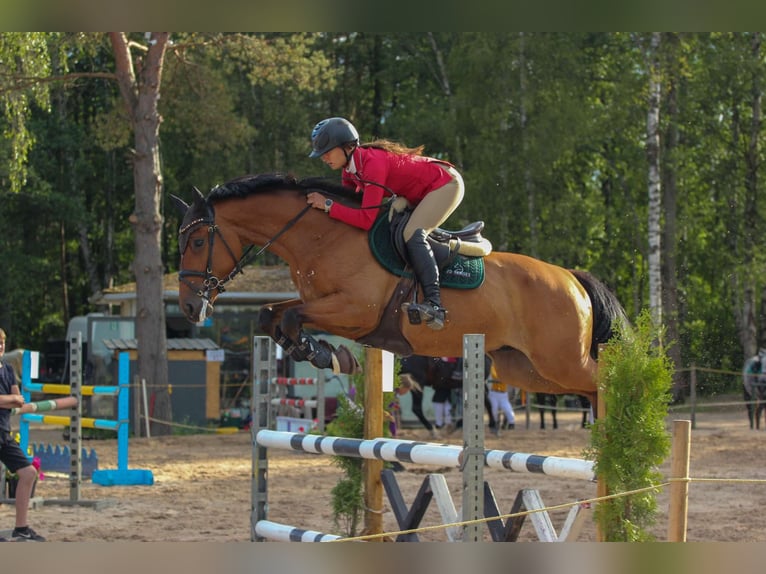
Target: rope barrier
{"x":563,"y":506}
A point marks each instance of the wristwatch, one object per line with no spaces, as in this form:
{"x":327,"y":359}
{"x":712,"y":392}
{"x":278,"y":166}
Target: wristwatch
{"x":327,"y":205}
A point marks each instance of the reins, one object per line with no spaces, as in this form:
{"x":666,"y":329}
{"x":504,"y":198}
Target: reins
{"x":209,"y":281}
{"x":212,"y":283}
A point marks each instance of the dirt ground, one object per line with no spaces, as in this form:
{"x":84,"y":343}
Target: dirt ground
{"x":202,"y":489}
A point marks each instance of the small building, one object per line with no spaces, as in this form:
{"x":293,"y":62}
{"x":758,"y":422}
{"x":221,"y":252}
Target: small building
{"x":194,"y":376}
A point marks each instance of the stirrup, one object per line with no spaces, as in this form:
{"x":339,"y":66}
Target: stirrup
{"x":433,"y":315}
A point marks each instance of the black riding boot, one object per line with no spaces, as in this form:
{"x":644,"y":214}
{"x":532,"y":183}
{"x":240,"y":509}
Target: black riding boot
{"x":427,"y":274}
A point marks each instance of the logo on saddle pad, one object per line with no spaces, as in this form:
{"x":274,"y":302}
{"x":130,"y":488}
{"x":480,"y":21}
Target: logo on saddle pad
{"x":457,"y":271}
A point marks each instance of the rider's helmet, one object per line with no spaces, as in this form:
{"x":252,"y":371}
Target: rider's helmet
{"x":331,"y":133}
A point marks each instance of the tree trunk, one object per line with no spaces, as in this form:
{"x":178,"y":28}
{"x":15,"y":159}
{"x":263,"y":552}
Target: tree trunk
{"x":748,"y":310}
{"x":655,"y":198}
{"x":141,"y":94}
{"x":670,"y":305}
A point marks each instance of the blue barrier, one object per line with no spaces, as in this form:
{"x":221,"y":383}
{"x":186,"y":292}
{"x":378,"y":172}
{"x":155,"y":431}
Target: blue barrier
{"x":122,"y":475}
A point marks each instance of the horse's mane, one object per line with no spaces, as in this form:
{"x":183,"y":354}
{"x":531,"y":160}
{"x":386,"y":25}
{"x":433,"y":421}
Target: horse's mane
{"x":246,"y":185}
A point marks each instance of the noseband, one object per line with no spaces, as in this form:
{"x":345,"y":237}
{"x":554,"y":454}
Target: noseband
{"x":210,"y":282}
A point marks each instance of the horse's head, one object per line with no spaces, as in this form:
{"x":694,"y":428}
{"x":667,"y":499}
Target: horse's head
{"x":209,"y":257}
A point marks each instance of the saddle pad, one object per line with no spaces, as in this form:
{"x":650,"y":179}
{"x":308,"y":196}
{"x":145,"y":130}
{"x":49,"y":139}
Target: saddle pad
{"x":462,"y":273}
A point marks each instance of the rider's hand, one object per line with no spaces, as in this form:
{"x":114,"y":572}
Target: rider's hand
{"x":315,"y":200}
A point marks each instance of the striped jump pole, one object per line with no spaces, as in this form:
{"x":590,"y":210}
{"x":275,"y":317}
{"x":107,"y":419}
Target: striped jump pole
{"x":62,"y":420}
{"x":425,"y":453}
{"x":42,"y":406}
{"x":283,"y":533}
{"x":277,"y":395}
{"x":61,"y":389}
{"x":292,"y":381}
{"x":299,"y":403}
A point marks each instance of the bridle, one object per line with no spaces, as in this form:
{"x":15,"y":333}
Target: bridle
{"x":210,"y":282}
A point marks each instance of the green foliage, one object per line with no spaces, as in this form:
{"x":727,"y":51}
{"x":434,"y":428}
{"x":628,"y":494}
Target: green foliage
{"x":348,"y":494}
{"x":23,"y":57}
{"x":547,"y":129}
{"x":629,"y":444}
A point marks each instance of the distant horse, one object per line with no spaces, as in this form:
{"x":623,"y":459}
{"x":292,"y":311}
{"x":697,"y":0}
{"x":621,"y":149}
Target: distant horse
{"x":437,"y":373}
{"x":547,"y":402}
{"x":754,"y":388}
{"x":542,"y":324}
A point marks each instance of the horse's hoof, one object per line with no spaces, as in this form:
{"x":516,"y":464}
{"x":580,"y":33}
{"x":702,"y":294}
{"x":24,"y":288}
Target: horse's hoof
{"x":346,"y":361}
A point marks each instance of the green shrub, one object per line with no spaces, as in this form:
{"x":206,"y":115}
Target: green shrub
{"x":631,"y":441}
{"x":348,"y":494}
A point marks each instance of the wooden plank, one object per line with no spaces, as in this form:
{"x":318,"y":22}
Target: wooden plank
{"x":406,"y":519}
{"x":574,"y":523}
{"x":540,"y":520}
{"x":514,"y":524}
{"x":496,"y":527}
{"x":446,"y":506}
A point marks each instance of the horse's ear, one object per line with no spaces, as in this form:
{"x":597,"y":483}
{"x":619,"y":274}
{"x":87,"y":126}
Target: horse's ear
{"x":180,"y":204}
{"x":199,"y":199}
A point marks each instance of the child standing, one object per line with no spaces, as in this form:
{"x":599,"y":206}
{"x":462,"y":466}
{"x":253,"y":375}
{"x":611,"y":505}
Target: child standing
{"x":11,"y":454}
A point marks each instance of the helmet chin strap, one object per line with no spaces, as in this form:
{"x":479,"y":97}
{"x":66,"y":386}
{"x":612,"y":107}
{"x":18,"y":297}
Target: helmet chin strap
{"x":348,"y":155}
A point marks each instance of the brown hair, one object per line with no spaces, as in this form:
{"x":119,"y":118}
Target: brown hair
{"x":394,"y":147}
{"x":3,"y":336}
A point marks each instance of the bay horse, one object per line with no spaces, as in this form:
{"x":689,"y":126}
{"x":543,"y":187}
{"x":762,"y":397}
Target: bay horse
{"x":542,"y":323}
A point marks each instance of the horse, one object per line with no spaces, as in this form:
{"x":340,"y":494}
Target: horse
{"x":549,"y":402}
{"x":754,"y":388}
{"x":546,"y":402}
{"x":437,"y":373}
{"x":542,"y":323}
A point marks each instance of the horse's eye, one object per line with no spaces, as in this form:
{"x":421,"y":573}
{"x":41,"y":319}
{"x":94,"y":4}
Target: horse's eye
{"x":198,"y":243}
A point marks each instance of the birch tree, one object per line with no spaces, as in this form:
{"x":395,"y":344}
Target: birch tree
{"x":653,"y":163}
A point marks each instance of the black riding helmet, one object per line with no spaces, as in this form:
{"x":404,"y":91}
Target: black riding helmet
{"x":330,"y":133}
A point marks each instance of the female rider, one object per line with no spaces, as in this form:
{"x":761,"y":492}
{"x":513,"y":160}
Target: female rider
{"x":434,"y":187}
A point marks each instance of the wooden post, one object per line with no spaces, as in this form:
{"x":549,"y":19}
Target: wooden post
{"x":679,"y":489}
{"x":373,"y":428}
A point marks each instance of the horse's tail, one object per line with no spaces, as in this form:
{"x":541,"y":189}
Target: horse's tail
{"x":607,"y":310}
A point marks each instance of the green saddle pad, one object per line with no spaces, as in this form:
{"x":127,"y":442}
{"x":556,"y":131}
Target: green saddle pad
{"x":463,"y":273}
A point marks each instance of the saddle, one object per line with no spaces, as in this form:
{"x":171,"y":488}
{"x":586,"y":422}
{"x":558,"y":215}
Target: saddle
{"x":458,"y":253}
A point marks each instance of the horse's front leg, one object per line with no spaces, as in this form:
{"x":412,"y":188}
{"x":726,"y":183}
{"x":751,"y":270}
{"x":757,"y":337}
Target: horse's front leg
{"x":269,"y":322}
{"x":319,"y":353}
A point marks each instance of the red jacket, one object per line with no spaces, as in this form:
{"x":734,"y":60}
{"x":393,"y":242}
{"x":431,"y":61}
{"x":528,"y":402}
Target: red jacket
{"x":410,"y":176}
